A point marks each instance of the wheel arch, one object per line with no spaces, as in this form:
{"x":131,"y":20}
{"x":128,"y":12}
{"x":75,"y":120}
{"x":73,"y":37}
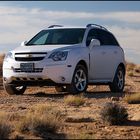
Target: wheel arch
{"x":122,"y":66}
{"x":82,"y":62}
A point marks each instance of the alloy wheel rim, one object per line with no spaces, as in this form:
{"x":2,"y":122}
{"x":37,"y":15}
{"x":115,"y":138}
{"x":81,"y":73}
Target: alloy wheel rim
{"x":120,"y":79}
{"x":80,"y":80}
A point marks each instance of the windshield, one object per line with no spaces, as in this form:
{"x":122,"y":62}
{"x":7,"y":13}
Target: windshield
{"x":58,"y":36}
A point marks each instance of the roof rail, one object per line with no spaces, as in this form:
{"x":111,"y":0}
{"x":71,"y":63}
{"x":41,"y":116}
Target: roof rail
{"x":88,"y":25}
{"x":51,"y":26}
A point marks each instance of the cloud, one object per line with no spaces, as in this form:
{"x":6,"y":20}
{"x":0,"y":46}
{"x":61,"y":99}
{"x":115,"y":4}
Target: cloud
{"x":18,"y":23}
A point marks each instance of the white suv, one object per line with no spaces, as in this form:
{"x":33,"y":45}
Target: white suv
{"x":69,"y":58}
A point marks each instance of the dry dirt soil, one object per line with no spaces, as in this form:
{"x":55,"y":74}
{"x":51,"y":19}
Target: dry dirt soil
{"x":96,"y":97}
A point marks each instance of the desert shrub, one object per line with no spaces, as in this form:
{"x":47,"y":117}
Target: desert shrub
{"x":113,"y":114}
{"x":38,"y":125}
{"x":1,"y":58}
{"x":40,"y":121}
{"x":137,"y":69}
{"x":74,"y":100}
{"x":44,"y":109}
{"x":133,"y":98}
{"x":5,"y":127}
{"x":130,"y":66}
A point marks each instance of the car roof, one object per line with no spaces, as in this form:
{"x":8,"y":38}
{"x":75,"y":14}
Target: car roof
{"x":66,"y":27}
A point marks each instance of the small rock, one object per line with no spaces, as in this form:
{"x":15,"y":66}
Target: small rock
{"x":129,"y":130}
{"x":22,"y":107}
{"x":78,"y":119}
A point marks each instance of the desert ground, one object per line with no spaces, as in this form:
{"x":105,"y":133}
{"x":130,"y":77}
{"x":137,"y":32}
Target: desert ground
{"x":78,"y":121}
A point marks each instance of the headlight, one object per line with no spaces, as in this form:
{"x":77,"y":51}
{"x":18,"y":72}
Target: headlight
{"x":8,"y":55}
{"x":59,"y":55}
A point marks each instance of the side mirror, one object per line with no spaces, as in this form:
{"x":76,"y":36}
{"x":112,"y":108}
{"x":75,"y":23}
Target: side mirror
{"x":23,"y":43}
{"x":94,"y":43}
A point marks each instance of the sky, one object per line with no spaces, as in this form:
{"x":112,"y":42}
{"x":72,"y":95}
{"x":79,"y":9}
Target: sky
{"x":21,"y":20}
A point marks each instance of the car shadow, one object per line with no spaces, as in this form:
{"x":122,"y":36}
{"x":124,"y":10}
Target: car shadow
{"x":103,"y":94}
{"x":50,"y":95}
{"x":97,"y":95}
{"x":131,"y":123}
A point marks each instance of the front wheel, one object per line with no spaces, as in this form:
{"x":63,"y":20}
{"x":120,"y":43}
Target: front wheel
{"x":12,"y":89}
{"x":79,"y":80}
{"x":119,"y":80}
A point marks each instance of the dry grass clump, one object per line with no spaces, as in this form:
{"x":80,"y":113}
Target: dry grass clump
{"x":133,"y":98}
{"x":40,"y":121}
{"x":1,"y":62}
{"x":131,"y":73}
{"x":74,"y":100}
{"x":1,"y":58}
{"x":5,"y":126}
{"x":130,"y":66}
{"x":113,"y":114}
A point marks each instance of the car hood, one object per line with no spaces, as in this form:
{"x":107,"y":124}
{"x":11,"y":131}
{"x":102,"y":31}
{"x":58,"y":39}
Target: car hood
{"x":43,"y":48}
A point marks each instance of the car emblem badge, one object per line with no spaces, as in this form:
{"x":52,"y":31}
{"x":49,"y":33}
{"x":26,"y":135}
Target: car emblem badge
{"x":29,"y":55}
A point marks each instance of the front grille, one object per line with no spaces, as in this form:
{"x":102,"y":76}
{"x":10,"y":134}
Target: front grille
{"x":30,"y":56}
{"x":35,"y":70}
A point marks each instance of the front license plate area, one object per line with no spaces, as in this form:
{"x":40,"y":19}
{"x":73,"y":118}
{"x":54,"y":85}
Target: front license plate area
{"x":27,"y":66}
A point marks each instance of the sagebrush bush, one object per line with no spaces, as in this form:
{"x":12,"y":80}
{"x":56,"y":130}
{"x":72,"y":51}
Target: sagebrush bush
{"x":5,"y":127}
{"x":113,"y":114}
{"x":133,"y":98}
{"x":40,"y":121}
{"x":74,"y":100}
{"x":38,"y":125}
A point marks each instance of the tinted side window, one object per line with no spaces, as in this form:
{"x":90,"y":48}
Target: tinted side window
{"x":107,"y":38}
{"x":113,"y":40}
{"x":91,"y":35}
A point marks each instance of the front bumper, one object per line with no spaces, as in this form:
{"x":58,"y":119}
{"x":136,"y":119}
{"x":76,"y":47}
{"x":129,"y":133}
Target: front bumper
{"x":51,"y":74}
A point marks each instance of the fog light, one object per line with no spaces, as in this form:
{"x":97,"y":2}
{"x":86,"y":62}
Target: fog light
{"x":4,"y":78}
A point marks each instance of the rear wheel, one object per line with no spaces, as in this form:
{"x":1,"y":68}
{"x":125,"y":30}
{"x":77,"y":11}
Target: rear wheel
{"x":119,"y":80}
{"x":12,"y":89}
{"x":79,"y":81}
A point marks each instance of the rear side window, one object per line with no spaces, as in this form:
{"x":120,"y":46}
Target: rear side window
{"x":107,"y":38}
{"x":104,"y":37}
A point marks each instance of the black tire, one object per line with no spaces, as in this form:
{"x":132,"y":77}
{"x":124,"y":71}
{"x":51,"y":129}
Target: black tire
{"x":60,"y":88}
{"x":11,"y":89}
{"x":119,"y":80}
{"x":82,"y":82}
